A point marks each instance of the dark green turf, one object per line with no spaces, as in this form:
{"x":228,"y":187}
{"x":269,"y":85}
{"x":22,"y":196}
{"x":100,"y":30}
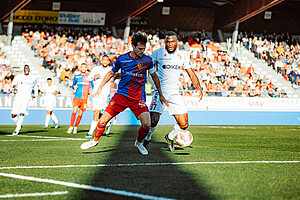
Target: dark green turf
{"x":198,"y":181}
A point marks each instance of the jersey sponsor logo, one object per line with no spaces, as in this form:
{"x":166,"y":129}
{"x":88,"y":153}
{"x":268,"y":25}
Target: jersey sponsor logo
{"x":132,"y":74}
{"x":83,"y":83}
{"x":142,"y":103}
{"x":177,"y":67}
{"x":125,"y":61}
{"x":112,"y":103}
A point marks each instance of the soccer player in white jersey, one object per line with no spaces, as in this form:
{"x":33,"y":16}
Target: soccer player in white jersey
{"x":50,"y":91}
{"x":100,"y":101}
{"x":169,"y":62}
{"x":24,"y":83}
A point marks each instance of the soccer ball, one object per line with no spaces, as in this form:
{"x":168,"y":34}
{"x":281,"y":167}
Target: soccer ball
{"x":184,"y":138}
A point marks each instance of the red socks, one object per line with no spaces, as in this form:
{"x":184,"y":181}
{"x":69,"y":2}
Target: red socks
{"x":78,"y":120}
{"x":73,"y":116}
{"x":142,"y":133}
{"x":98,"y":132}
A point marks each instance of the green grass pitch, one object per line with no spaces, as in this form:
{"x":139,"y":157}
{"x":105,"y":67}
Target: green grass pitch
{"x":211,"y":168}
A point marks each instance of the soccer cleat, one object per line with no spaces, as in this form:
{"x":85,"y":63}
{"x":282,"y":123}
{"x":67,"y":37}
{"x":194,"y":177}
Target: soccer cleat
{"x":107,"y":129}
{"x":56,"y":125}
{"x":75,"y":130}
{"x":70,"y":130}
{"x":44,"y":126}
{"x":146,"y":143}
{"x":15,"y":133}
{"x":170,"y":143}
{"x":88,"y":136}
{"x":141,"y":148}
{"x":89,"y":144}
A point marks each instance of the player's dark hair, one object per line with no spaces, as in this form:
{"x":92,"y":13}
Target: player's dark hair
{"x":26,"y":66}
{"x":49,"y":79}
{"x":106,"y":56}
{"x":139,"y":37}
{"x":170,"y":33}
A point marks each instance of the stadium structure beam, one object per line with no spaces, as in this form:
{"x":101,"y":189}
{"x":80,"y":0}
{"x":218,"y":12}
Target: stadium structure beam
{"x":244,"y":10}
{"x":138,"y":11}
{"x":13,"y":6}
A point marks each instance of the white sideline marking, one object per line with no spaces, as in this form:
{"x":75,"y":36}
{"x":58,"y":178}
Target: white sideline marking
{"x":33,"y":194}
{"x":150,"y":164}
{"x":87,"y":187}
{"x":41,"y":140}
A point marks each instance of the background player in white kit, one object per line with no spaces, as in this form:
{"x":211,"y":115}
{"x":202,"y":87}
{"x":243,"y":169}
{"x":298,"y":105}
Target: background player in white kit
{"x":169,"y":62}
{"x":50,"y":91}
{"x":24,"y":83}
{"x":100,"y":101}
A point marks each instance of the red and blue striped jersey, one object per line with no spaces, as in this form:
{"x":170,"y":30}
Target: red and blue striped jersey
{"x":133,"y":75}
{"x":83,"y":84}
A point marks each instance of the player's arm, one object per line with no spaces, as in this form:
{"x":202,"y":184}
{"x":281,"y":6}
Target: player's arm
{"x":35,"y":89}
{"x":106,"y":78}
{"x":74,"y":85}
{"x":157,"y":85}
{"x":195,"y":81}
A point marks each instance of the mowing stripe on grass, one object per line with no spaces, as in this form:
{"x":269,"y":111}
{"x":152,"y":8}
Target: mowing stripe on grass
{"x":153,"y":164}
{"x":87,"y":187}
{"x":33,"y":194}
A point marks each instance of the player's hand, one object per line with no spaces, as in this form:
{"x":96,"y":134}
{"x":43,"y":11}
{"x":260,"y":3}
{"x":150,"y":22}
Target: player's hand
{"x":98,"y":92}
{"x":75,"y":87}
{"x":163,"y":100}
{"x":96,"y":76}
{"x":200,"y":93}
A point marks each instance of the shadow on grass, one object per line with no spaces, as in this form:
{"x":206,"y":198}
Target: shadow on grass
{"x":157,"y":180}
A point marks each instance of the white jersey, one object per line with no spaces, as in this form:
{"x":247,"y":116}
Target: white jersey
{"x":168,"y":68}
{"x":49,"y":90}
{"x":102,"y":71}
{"x":25,"y":84}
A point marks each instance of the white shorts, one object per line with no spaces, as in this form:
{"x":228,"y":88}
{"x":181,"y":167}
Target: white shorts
{"x":100,"y":101}
{"x":20,"y":105}
{"x":176,"y":104}
{"x":50,"y":102}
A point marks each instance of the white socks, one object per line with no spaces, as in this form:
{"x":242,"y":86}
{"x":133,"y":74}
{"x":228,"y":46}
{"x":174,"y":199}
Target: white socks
{"x":54,"y":118}
{"x":47,"y":120}
{"x":19,"y":123}
{"x":151,"y":130}
{"x":174,"y":132}
{"x":93,"y":127}
{"x":15,"y":119}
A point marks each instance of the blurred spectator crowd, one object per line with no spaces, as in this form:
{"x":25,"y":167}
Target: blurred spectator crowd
{"x":63,"y":49}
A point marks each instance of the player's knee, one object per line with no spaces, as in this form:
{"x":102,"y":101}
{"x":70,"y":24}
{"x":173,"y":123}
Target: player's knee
{"x":184,"y":126}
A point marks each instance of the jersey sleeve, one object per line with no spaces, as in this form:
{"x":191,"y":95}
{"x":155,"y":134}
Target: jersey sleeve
{"x":74,"y":82}
{"x":91,"y":75}
{"x":116,"y":66}
{"x":15,"y":81}
{"x":186,"y":61}
{"x":151,"y":68}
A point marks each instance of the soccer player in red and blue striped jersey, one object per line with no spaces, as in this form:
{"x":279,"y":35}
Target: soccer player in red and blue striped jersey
{"x":131,"y":91}
{"x":81,"y":86}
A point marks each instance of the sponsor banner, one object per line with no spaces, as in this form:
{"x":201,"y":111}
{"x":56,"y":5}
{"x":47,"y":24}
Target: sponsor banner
{"x":192,"y":103}
{"x":35,"y":16}
{"x":59,"y":17}
{"x":82,"y":18}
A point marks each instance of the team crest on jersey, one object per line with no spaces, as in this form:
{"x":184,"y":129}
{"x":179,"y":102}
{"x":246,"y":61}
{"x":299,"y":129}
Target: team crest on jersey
{"x":112,"y":103}
{"x":179,"y":56}
{"x":140,"y":65}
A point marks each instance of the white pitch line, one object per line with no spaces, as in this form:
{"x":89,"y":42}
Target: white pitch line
{"x":153,"y":164}
{"x":47,"y":137}
{"x":33,"y":194}
{"x":41,"y":140}
{"x":87,"y":187}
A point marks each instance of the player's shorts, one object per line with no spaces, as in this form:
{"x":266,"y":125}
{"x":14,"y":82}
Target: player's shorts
{"x":50,"y":102}
{"x":176,"y":104}
{"x":81,"y":103}
{"x":20,"y":105}
{"x":120,"y":102}
{"x":100,"y":101}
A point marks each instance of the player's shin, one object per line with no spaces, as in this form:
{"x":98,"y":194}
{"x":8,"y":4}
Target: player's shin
{"x":174,"y":132}
{"x":93,"y":127}
{"x":73,"y":117}
{"x":54,"y":118}
{"x":98,"y":132}
{"x":151,"y":130}
{"x":47,"y":120}
{"x":78,"y":120}
{"x":142,"y":133}
{"x":19,"y":123}
{"x":15,"y":119}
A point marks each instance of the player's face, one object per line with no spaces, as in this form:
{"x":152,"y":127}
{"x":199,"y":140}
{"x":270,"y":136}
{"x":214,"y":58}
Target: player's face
{"x":139,"y":49}
{"x":83,"y":69}
{"x":171,"y":43}
{"x":105,"y":61}
{"x":26,"y":70}
{"x":49,"y":82}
